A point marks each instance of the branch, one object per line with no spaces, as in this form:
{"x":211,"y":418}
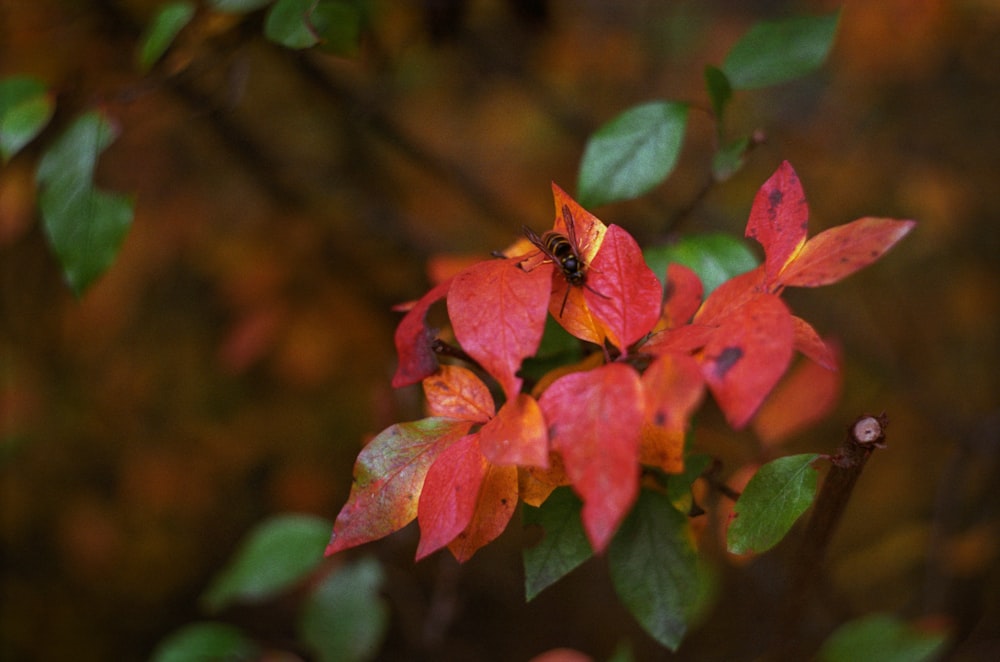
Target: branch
{"x":863,"y":437}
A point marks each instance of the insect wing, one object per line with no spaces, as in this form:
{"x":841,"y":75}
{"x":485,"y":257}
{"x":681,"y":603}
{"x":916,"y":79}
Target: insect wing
{"x":571,"y":230}
{"x":540,"y":256}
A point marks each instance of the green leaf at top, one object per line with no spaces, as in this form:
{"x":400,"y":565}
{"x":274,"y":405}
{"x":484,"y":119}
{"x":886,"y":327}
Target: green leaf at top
{"x":161,"y":32}
{"x":773,"y":52}
{"x":25,"y":108}
{"x":714,"y":257}
{"x":344,"y":619}
{"x":339,"y":26}
{"x":775,"y":497}
{"x":206,"y":641}
{"x":882,"y":637}
{"x":304,"y":23}
{"x":564,"y":545}
{"x":275,"y":555}
{"x":237,"y":6}
{"x":289,"y":23}
{"x":654,"y":568}
{"x":85,"y":226}
{"x":632,"y":153}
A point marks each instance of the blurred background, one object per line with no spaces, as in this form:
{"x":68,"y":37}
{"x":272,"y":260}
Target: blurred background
{"x":232,"y":362}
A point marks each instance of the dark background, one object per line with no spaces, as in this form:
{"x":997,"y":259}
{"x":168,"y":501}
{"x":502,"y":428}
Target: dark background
{"x":233,"y":360}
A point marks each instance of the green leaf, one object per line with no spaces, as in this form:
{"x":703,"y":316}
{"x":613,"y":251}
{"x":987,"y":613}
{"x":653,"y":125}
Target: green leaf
{"x":339,"y":27}
{"x":305,"y":23}
{"x":162,"y":30}
{"x":719,"y":93}
{"x":622,"y":653}
{"x":882,"y":637}
{"x":564,"y":546}
{"x":654,"y":568}
{"x":772,"y":501}
{"x":345,"y":617}
{"x":25,"y":108}
{"x":275,"y":555}
{"x":206,"y":642}
{"x":714,"y":257}
{"x":632,"y":153}
{"x":85,"y":226}
{"x":237,"y":6}
{"x":730,"y":159}
{"x":289,"y":23}
{"x":777,"y":51}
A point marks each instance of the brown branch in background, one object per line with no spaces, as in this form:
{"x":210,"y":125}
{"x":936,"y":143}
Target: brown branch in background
{"x":863,"y":437}
{"x":683,"y":213}
{"x":371,"y":117}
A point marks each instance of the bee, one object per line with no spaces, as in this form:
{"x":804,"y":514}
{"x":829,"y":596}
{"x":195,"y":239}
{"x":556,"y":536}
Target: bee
{"x":564,"y":251}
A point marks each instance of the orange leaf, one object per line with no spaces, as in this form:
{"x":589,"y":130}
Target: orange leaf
{"x":595,"y":419}
{"x":747,"y":355}
{"x":779,"y":219}
{"x":622,"y":292}
{"x":497,"y":312}
{"x":673,"y":387}
{"x":388,"y":478}
{"x":456,"y":392}
{"x":838,"y":252}
{"x":517,"y":434}
{"x":495,"y":506}
{"x":575,"y":317}
{"x":535,"y":484}
{"x":804,"y":397}
{"x":413,"y":340}
{"x":662,"y":448}
{"x":448,"y":500}
{"x":589,"y":229}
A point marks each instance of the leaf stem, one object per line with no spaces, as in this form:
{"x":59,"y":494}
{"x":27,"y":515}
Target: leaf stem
{"x":795,"y":632}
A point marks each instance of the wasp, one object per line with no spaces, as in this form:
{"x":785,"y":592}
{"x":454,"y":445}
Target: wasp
{"x":563,"y":250}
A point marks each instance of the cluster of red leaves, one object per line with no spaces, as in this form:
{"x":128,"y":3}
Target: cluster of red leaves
{"x":461,"y":471}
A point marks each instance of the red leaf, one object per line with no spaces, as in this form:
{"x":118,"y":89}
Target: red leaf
{"x":448,"y":499}
{"x":838,"y":252}
{"x":517,"y":435}
{"x":779,"y":219}
{"x":388,"y":477}
{"x":681,"y":296}
{"x":811,"y":345}
{"x":622,"y":292}
{"x":747,"y":355}
{"x":687,"y":338}
{"x":497,"y":311}
{"x":595,"y":419}
{"x":456,"y":392}
{"x":805,"y":396}
{"x":561,"y":655}
{"x":495,"y":506}
{"x":673,"y":387}
{"x":730,"y":295}
{"x":413,"y":340}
